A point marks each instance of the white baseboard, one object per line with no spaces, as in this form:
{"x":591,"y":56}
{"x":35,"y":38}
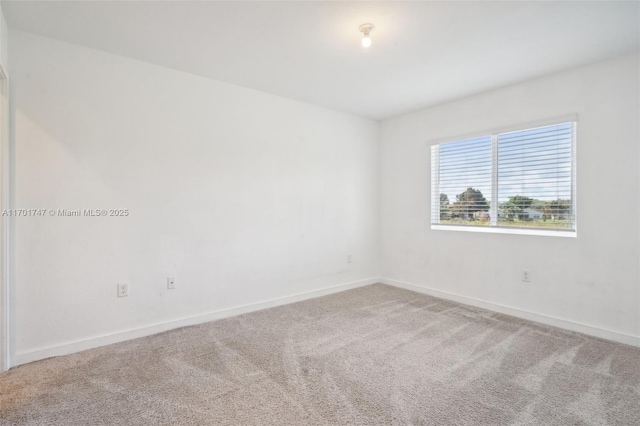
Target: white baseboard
{"x":94,"y":342}
{"x":519,"y":313}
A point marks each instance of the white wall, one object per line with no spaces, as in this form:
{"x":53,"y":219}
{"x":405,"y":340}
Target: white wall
{"x":4,"y":42}
{"x":591,"y":280}
{"x":242,"y":196}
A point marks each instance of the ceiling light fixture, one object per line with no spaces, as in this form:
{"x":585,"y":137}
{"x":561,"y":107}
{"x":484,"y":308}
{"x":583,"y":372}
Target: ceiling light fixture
{"x":366,"y":29}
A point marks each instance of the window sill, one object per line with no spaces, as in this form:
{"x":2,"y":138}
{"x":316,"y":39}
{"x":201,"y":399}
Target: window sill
{"x":505,"y":230}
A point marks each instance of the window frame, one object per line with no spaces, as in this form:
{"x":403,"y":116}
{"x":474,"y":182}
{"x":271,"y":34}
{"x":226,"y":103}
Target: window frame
{"x":494,"y":228}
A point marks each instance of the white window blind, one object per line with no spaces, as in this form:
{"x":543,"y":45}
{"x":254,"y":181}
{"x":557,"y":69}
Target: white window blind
{"x":521,"y":179}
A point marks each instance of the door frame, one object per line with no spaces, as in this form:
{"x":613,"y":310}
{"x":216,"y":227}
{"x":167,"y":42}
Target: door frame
{"x":5,"y":223}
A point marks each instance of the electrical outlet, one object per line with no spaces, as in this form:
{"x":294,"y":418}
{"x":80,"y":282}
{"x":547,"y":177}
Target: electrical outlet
{"x":123,"y":289}
{"x":349,"y":259}
{"x":171,"y":283}
{"x":526,"y":276}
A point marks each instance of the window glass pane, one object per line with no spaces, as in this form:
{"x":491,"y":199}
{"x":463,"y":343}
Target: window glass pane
{"x":464,"y":182}
{"x":535,"y":186}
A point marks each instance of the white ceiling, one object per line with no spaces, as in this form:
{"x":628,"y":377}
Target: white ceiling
{"x":423,"y":53}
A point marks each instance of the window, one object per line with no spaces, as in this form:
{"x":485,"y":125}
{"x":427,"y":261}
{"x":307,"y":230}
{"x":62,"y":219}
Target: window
{"x":518,"y":181}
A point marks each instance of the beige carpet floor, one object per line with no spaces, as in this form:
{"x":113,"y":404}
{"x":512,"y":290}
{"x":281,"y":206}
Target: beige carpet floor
{"x":376,"y":355}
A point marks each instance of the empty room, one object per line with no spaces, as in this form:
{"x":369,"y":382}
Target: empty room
{"x":319,"y":213}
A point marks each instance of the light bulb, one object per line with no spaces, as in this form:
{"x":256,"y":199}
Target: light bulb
{"x":366,"y":29}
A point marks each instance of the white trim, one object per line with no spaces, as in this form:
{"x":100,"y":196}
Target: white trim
{"x":504,"y":230}
{"x":435,"y":184}
{"x":5,"y":319}
{"x":97,"y":341}
{"x":574,"y":175}
{"x":493,"y":211}
{"x":520,"y":313}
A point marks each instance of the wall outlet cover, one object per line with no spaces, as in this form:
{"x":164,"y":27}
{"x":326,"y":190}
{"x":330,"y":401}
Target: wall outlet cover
{"x":123,"y":289}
